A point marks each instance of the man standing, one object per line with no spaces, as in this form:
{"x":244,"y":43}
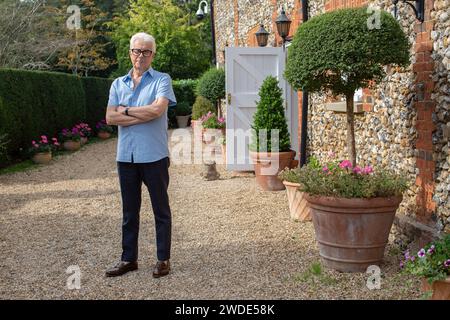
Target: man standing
{"x":138,"y":105}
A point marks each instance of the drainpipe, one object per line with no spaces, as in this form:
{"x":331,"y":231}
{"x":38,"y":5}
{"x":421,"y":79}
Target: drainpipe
{"x":304,"y":124}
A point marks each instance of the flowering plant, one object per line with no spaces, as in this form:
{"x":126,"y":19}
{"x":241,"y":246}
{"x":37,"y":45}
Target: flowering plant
{"x":43,"y":145}
{"x":84,"y":129}
{"x":70,"y":134}
{"x":340,"y":179}
{"x":103,"y":126}
{"x":211,"y":121}
{"x":431,"y":262}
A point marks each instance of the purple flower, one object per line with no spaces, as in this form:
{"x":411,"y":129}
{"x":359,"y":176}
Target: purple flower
{"x":413,"y":258}
{"x":367,"y":170}
{"x":431,"y":250}
{"x":357,"y":170}
{"x":447,"y":263}
{"x":407,"y":257}
{"x":402,"y":265}
{"x":346,"y":164}
{"x":421,"y":253}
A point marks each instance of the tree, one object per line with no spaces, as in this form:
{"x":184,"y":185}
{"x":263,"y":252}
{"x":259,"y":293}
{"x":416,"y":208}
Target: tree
{"x":180,"y":51}
{"x":88,"y":53}
{"x":30,"y":34}
{"x":341,"y":51}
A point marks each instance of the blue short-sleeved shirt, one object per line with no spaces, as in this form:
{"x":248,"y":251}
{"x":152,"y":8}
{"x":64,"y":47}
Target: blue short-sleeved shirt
{"x":145,"y":142}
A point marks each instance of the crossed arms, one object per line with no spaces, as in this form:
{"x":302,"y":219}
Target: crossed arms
{"x":116,"y":115}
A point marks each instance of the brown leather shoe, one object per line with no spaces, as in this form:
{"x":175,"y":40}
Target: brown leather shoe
{"x":121,"y":268}
{"x":162,"y":268}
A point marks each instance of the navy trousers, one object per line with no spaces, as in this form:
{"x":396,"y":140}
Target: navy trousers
{"x":155,"y":176}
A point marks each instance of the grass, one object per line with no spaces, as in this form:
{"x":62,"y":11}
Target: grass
{"x":29,"y":164}
{"x":315,"y":273}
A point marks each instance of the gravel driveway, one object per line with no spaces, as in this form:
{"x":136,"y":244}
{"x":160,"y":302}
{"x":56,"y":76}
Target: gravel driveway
{"x":230,"y":239}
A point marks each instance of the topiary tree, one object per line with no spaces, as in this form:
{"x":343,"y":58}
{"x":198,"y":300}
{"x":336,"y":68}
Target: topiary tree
{"x":270,"y":115}
{"x":211,"y":85}
{"x":201,"y":107}
{"x":342,"y":51}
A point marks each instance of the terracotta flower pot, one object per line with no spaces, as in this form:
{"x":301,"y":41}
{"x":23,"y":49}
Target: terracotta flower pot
{"x":224,"y":153}
{"x":352,"y":233}
{"x":197,"y":129}
{"x":441,"y":289}
{"x":182,"y":121}
{"x":298,"y":206}
{"x":83,"y":140}
{"x":211,"y":135}
{"x":71,"y":145}
{"x":42,"y":157}
{"x":267,"y":167}
{"x":104,"y":135}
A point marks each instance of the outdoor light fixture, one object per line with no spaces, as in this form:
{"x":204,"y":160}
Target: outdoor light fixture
{"x":262,"y":36}
{"x":419,"y":8}
{"x":200,"y":15}
{"x":283,"y":25}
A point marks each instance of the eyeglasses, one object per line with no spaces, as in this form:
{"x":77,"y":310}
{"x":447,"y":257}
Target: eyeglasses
{"x":145,"y":53}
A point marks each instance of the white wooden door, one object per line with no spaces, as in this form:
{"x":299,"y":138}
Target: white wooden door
{"x":245,"y":70}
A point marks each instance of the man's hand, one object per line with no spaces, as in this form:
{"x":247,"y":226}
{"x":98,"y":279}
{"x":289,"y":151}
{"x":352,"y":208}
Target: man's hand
{"x":114,"y":117}
{"x":121,"y":109}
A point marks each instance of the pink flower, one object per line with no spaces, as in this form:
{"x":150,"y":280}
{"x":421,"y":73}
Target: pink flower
{"x":325,"y":169}
{"x":56,"y":143}
{"x":346,"y":164}
{"x":357,"y":170}
{"x":367,"y":170}
{"x":331,"y":154}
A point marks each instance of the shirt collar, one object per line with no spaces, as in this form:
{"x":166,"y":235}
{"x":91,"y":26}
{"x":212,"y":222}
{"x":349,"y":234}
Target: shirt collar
{"x":150,"y":72}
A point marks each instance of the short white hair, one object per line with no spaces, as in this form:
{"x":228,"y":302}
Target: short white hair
{"x":144,"y":37}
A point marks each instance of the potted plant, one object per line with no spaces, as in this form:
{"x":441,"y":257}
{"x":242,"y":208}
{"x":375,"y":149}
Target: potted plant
{"x":183,"y":112}
{"x":201,"y":107}
{"x":41,"y":151}
{"x":213,"y":127}
{"x":270,"y":148}
{"x":104,"y":130}
{"x":298,"y":206}
{"x":211,"y":85}
{"x":71,"y":139}
{"x":85,"y":132}
{"x":351,"y":224}
{"x":352,"y":209}
{"x":432,"y":264}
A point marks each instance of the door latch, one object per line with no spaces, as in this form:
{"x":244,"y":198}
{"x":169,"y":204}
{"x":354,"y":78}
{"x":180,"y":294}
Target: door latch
{"x":229,"y":98}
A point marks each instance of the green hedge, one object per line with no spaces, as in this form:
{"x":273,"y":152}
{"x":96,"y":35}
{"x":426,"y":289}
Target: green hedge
{"x":97,"y":94}
{"x":33,"y":103}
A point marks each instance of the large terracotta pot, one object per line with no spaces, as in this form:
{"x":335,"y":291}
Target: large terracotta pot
{"x":298,"y":206}
{"x":104,"y":135}
{"x":71,"y":145}
{"x":210,"y":136}
{"x":441,"y":289}
{"x":352,"y":233}
{"x":197,"y":130}
{"x":182,"y":121}
{"x":267,"y":167}
{"x":42,"y":157}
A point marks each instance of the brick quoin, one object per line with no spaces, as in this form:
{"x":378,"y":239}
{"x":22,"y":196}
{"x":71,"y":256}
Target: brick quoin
{"x":423,"y":68}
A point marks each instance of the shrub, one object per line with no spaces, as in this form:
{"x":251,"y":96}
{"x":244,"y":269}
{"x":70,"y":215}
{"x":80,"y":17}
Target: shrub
{"x":336,"y":51}
{"x":183,"y":109}
{"x":211,"y":85}
{"x":185,"y":90}
{"x":269,"y":116}
{"x":201,"y":107}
